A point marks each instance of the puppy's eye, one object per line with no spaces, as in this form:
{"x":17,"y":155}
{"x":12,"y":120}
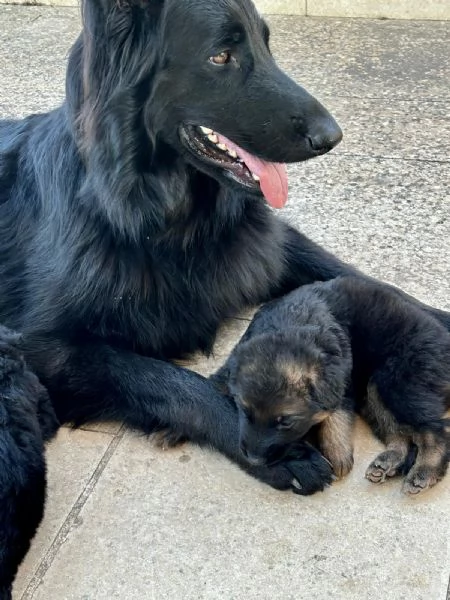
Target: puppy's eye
{"x":284,"y":422}
{"x":221,"y":59}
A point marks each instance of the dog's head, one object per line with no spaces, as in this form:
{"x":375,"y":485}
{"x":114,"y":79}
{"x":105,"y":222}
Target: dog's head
{"x":195,"y":78}
{"x":233,"y":112}
{"x":284,"y":384}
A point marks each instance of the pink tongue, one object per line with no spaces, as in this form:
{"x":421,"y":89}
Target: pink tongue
{"x":273,"y":176}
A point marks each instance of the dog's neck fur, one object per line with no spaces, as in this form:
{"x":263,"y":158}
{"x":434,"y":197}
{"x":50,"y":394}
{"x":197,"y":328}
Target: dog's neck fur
{"x":130,"y":174}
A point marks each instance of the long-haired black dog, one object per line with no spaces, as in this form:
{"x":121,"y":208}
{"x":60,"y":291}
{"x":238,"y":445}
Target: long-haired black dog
{"x":133,"y":220}
{"x":310,"y":359}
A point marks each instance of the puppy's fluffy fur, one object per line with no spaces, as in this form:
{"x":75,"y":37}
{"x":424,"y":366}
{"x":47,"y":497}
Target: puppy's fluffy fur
{"x":325,"y":349}
{"x":27,"y":420}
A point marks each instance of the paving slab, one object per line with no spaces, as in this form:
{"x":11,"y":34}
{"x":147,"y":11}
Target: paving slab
{"x":186,"y":524}
{"x":73,"y":458}
{"x":383,"y":9}
{"x":365,"y":58}
{"x":389,"y":217}
{"x":126,"y":520}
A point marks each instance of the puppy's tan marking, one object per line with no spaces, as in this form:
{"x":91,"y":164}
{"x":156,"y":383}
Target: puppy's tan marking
{"x":320,"y":416}
{"x":336,"y":440}
{"x":376,"y":411}
{"x":299,"y":376}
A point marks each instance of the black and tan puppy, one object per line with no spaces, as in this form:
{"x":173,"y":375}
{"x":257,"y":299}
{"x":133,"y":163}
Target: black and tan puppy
{"x":27,"y":420}
{"x":326,"y":349}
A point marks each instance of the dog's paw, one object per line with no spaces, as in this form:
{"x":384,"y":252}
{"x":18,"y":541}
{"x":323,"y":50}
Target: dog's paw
{"x":304,"y":473}
{"x":166,"y":439}
{"x":311,"y":474}
{"x":420,"y":479}
{"x":387,"y":464}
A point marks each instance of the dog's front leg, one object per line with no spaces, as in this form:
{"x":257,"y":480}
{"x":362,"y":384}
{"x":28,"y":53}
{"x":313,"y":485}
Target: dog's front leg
{"x":336,"y":440}
{"x":307,"y":262}
{"x":97,"y":381}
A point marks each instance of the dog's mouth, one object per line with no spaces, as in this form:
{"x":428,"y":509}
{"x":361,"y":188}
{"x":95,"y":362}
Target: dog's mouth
{"x":251,"y":172}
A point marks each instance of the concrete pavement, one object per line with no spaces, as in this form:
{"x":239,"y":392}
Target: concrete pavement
{"x":126,"y":520}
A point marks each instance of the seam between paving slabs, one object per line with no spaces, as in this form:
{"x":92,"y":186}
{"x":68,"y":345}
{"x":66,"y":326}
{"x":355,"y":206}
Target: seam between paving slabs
{"x":72,"y":517}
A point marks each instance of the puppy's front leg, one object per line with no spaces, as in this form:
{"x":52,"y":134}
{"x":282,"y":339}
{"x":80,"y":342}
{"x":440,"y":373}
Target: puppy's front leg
{"x":336,"y":440}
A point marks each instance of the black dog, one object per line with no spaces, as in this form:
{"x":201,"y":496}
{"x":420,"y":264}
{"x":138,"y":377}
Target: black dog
{"x":129,"y":228}
{"x":27,"y":420}
{"x":293,"y":369}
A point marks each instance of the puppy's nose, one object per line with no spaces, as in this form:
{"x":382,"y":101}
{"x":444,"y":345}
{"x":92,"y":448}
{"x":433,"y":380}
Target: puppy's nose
{"x":243,"y":448}
{"x":251,"y":458}
{"x":257,"y":461}
{"x":325,"y":136}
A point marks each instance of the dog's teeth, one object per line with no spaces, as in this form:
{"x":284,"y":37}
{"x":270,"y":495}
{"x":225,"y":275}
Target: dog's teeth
{"x":222,"y":147}
{"x":255,"y":177}
{"x":206,"y":130}
{"x":212,"y":137}
{"x":232,"y":153}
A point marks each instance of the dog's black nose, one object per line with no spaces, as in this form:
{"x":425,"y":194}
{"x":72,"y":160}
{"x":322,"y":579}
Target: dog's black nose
{"x":325,"y":137}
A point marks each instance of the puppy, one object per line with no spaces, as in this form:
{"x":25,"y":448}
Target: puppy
{"x":310,"y":359}
{"x":27,"y":420}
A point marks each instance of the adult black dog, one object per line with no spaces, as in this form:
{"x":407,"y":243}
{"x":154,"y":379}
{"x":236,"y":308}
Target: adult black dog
{"x":133,"y":220}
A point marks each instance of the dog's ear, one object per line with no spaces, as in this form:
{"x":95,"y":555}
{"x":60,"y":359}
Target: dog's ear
{"x":110,"y":66}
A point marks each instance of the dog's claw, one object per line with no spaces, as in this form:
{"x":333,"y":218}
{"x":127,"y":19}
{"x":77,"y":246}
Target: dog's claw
{"x":297,"y":484}
{"x":166,"y":439}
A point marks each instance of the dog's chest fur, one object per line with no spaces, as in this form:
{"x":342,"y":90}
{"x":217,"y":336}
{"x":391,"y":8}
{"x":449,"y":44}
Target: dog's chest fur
{"x":168,"y":300}
{"x":160,"y":297}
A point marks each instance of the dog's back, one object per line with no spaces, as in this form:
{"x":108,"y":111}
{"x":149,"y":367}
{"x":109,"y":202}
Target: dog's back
{"x":401,"y":378}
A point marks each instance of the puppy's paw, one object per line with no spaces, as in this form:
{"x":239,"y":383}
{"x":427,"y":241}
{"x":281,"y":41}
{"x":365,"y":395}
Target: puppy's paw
{"x":387,"y":464}
{"x":420,"y":479}
{"x":166,"y":439}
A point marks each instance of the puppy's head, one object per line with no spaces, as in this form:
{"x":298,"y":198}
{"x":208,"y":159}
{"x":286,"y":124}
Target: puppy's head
{"x":283,"y":384}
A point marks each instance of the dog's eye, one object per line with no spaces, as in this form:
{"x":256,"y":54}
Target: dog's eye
{"x":221,"y":59}
{"x":284,"y":422}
